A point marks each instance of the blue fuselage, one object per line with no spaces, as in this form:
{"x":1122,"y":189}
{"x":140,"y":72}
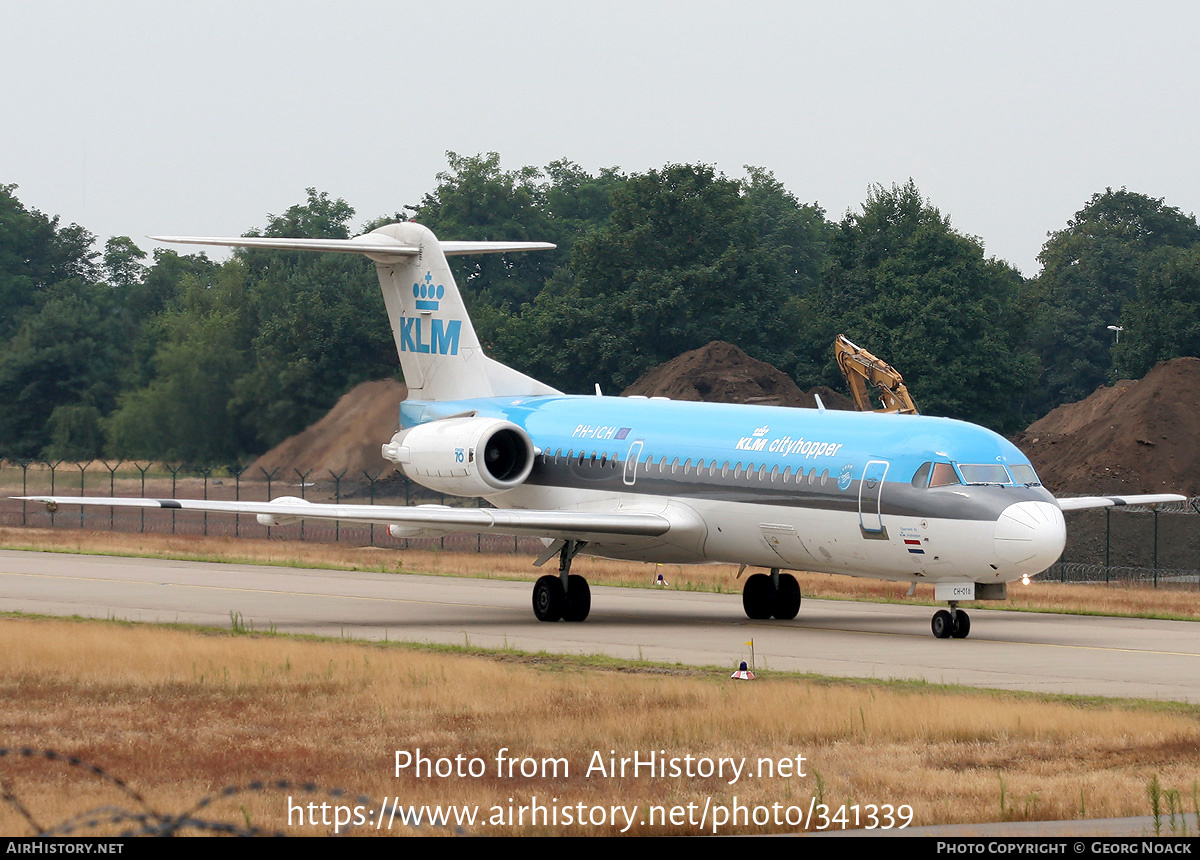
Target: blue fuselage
{"x":828,"y":490}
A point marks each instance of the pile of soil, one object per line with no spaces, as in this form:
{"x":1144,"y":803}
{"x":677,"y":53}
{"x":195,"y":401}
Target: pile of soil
{"x":347,"y":438}
{"x":1133,"y":437}
{"x":722,"y":373}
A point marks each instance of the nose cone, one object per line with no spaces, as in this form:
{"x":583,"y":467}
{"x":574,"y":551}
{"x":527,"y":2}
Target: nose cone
{"x":1030,"y":535}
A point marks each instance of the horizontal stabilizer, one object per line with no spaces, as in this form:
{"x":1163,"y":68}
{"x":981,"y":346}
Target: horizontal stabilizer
{"x":377,"y":246}
{"x":438,"y":347}
{"x":457,"y":249}
{"x":1083,"y":503}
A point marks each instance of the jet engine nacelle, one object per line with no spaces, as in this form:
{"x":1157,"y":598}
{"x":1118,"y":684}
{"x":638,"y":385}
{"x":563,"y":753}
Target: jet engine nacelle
{"x":463,"y":456}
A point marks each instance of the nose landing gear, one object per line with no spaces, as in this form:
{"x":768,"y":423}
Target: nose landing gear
{"x":954,"y":623}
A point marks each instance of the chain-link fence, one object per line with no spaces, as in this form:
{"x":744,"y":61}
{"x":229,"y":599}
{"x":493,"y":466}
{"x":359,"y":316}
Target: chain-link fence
{"x":1158,"y":546}
{"x":1133,"y":544}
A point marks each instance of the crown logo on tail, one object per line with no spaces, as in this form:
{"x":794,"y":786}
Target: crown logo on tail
{"x":428,"y":295}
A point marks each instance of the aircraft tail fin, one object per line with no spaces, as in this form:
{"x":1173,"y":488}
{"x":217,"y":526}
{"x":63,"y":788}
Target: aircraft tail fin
{"x":439,"y":351}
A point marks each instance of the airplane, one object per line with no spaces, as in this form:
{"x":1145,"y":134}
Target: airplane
{"x":908,"y":498}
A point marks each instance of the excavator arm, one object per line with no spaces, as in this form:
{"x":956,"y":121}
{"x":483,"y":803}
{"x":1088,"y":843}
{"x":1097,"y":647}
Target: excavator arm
{"x":864,"y":371}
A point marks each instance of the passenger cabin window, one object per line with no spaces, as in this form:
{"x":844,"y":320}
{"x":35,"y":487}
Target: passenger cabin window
{"x":943,"y":475}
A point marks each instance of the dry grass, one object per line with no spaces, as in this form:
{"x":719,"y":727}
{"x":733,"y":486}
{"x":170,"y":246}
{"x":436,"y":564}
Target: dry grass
{"x":179,"y":714}
{"x":1043,"y":596}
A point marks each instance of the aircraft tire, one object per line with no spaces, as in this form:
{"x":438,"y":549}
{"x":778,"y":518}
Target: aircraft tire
{"x":787,"y":598}
{"x":962,"y":625}
{"x":578,"y":599}
{"x":758,"y":597}
{"x":942,"y":624}
{"x":549,"y":601}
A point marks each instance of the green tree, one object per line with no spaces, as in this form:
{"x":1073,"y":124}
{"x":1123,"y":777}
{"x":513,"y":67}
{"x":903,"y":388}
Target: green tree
{"x":76,"y":432}
{"x":184,"y":413}
{"x":1090,"y":270}
{"x":68,"y":352}
{"x":123,"y":265}
{"x":35,"y":254}
{"x":687,"y":256}
{"x":476,"y":200}
{"x":1163,"y":320}
{"x":903,"y":283}
{"x":144,"y":299}
{"x":318,"y":325}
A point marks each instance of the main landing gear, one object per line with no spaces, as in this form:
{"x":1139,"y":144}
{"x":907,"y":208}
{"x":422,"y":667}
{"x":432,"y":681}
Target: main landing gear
{"x":566,"y":596}
{"x":777,"y":596}
{"x":954,"y":623}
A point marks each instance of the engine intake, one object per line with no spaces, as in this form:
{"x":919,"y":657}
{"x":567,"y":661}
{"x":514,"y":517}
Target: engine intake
{"x":463,"y":456}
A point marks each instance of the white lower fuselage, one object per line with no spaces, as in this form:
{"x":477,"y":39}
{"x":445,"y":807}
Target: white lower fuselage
{"x":822,"y":541}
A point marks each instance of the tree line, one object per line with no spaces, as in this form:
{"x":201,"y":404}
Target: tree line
{"x":115,"y":354}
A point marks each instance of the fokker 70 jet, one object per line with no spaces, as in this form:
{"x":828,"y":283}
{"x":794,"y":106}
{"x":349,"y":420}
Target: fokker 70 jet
{"x":908,"y":498}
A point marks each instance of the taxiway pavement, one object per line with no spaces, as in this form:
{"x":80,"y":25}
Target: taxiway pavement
{"x":1082,"y":655}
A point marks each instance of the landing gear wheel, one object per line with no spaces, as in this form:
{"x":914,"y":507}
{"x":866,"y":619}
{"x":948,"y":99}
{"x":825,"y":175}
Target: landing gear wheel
{"x":758,"y":597}
{"x":787,"y":598}
{"x":578,"y":599}
{"x":962,"y":625}
{"x":549,"y":601}
{"x":942,"y":624}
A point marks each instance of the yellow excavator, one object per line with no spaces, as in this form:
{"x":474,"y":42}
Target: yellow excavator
{"x":864,"y":371}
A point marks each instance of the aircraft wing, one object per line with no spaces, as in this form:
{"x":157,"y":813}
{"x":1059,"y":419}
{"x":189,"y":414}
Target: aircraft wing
{"x":1082,"y":503}
{"x":571,"y":525}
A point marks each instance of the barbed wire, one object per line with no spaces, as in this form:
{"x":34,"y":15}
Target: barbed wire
{"x":143,"y":819}
{"x":1084,"y":572}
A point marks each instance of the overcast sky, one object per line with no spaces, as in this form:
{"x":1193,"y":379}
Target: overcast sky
{"x":132,"y":118}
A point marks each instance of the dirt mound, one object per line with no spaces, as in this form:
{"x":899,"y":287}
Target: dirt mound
{"x":722,"y":373}
{"x":1133,"y":437}
{"x":347,"y":438}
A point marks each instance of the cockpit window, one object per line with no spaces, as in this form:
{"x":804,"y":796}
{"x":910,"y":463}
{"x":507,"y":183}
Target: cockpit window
{"x":921,"y":479}
{"x":943,"y":475}
{"x":986,"y":473}
{"x":1025,"y":475}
